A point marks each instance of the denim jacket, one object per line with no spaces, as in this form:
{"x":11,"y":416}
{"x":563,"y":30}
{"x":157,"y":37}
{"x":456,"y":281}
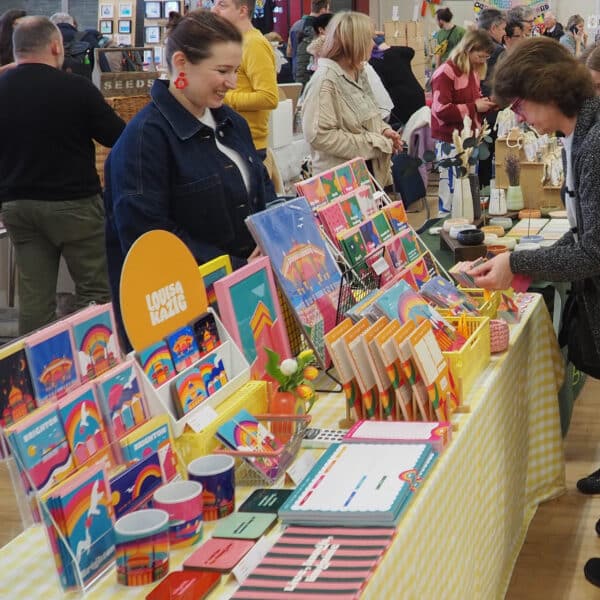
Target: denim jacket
{"x":165,"y":172}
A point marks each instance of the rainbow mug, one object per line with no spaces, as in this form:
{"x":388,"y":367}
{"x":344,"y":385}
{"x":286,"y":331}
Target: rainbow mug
{"x":142,"y":546}
{"x":183,"y":501}
{"x":216,"y":474}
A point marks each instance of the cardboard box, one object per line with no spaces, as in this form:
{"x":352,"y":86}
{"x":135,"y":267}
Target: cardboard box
{"x":395,"y":33}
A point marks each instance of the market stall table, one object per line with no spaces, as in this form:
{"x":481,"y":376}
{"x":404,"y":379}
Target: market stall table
{"x":461,"y":535}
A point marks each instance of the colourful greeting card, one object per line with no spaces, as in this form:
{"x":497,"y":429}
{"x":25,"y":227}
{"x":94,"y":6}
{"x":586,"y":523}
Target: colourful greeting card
{"x":206,"y":333}
{"x":42,"y":448}
{"x":409,"y":243}
{"x":121,"y":399}
{"x":306,"y":272}
{"x":396,"y":215}
{"x":351,"y":210}
{"x":183,"y":347}
{"x":157,"y":363}
{"x":361,"y":173}
{"x":354,"y":248}
{"x":333,"y":220}
{"x":82,"y":508}
{"x":16,"y":389}
{"x":190,"y":391}
{"x":212,"y":271}
{"x":366,"y":201}
{"x":345,"y":177}
{"x":82,"y":423}
{"x":420,"y":272}
{"x":251,"y":313}
{"x":51,"y":362}
{"x":370,"y":235}
{"x":132,"y":488}
{"x":244,"y":432}
{"x":331,"y":185}
{"x":95,"y":340}
{"x":395,"y":254}
{"x":313,"y":190}
{"x":213,"y":373}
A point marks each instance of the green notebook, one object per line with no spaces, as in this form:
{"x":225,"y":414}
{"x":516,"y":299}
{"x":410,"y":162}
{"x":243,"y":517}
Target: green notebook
{"x":244,"y":526}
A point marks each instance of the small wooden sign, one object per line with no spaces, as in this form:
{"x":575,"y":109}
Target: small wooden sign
{"x":123,"y":83}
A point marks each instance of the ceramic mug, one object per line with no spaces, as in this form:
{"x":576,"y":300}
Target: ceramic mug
{"x":142,"y":546}
{"x":182,"y":500}
{"x":217,"y":475}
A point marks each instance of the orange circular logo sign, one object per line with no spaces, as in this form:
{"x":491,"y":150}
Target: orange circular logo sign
{"x":161,"y":288}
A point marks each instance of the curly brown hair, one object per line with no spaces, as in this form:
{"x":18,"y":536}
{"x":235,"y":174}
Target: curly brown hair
{"x":544,"y":72}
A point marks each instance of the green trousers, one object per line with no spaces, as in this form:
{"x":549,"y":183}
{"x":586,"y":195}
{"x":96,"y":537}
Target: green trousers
{"x":42,"y":231}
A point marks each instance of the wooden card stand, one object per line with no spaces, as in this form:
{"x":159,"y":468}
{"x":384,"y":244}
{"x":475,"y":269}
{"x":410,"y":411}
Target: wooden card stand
{"x":124,"y":83}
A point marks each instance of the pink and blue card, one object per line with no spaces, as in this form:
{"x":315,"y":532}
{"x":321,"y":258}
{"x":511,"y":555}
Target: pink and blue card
{"x":183,"y":347}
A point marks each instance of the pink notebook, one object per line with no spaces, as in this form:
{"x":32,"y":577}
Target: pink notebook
{"x":218,"y":554}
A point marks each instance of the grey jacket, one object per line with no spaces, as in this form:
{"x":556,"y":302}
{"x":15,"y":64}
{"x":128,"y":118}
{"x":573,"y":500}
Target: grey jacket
{"x":577,"y":258}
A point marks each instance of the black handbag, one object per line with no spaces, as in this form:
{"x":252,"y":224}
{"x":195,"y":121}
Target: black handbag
{"x":576,"y":334}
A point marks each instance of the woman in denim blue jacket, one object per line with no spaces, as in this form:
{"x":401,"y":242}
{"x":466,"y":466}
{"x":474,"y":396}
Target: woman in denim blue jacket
{"x":186,"y":163}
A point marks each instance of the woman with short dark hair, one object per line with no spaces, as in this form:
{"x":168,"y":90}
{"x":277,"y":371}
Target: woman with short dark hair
{"x":553,"y":92}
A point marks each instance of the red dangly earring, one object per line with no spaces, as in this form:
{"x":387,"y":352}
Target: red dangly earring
{"x":181,"y":82}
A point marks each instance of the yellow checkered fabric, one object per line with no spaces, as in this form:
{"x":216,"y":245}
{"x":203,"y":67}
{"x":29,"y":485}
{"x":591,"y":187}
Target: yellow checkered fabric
{"x":461,"y":535}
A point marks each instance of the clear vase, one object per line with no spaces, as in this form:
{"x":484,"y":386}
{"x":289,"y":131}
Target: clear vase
{"x":514,"y":198}
{"x":462,"y":200}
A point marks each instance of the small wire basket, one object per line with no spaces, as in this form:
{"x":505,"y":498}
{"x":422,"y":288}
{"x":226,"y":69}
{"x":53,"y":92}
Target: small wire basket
{"x":260,"y":467}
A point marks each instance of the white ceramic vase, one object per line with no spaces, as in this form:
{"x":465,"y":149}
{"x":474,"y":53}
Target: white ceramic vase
{"x":462,"y":200}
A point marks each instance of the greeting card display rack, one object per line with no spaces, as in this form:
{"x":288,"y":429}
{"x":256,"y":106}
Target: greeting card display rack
{"x":159,"y":399}
{"x":248,"y":473}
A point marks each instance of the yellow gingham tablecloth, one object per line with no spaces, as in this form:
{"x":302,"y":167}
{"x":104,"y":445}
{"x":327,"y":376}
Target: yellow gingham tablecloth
{"x":460,"y":537}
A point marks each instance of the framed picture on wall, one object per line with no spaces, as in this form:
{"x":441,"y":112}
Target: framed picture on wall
{"x":152,"y":35}
{"x":124,"y":39}
{"x":152,"y":10}
{"x":125,"y":9}
{"x":171,"y":7}
{"x":107,"y":11}
{"x":125,"y":26}
{"x":106,"y":27}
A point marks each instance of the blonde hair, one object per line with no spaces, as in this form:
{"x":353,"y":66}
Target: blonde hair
{"x":477,"y":40}
{"x":349,"y":36}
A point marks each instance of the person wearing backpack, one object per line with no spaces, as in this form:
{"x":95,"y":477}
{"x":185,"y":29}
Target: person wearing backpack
{"x":79,"y":45}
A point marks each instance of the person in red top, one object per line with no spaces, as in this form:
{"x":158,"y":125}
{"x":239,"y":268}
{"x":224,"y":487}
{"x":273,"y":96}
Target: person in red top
{"x":456,"y":94}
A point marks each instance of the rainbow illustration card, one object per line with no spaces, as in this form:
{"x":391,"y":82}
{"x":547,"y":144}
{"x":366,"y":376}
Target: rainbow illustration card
{"x":244,"y":432}
{"x":16,"y":389}
{"x":42,"y":448}
{"x":157,"y":363}
{"x":82,"y":508}
{"x":183,"y":347}
{"x":95,"y":340}
{"x":189,"y":391}
{"x":82,"y":423}
{"x":206,"y":332}
{"x":132,"y":488}
{"x":51,"y":362}
{"x":121,"y":400}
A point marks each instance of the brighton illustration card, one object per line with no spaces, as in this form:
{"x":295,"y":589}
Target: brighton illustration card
{"x":121,"y":400}
{"x":206,"y":333}
{"x":306,"y":272}
{"x":183,"y":347}
{"x":16,"y":389}
{"x":82,"y":423}
{"x":157,"y":363}
{"x":251,"y":313}
{"x":189,"y":391}
{"x":51,"y":362}
{"x":95,"y":340}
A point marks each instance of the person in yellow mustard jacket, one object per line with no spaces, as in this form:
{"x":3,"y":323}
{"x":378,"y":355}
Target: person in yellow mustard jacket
{"x":256,"y":94}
